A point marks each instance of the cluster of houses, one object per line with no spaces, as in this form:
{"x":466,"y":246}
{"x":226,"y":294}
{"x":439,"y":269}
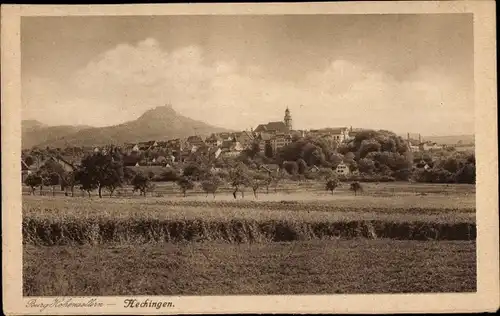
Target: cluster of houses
{"x":418,"y":145}
{"x":269,"y":136}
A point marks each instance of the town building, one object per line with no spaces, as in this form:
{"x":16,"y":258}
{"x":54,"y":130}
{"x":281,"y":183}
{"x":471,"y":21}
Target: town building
{"x":213,"y":140}
{"x":342,"y":169}
{"x":279,"y":141}
{"x":284,"y":126}
{"x":339,"y":134}
{"x":195,"y":141}
{"x":426,"y":146}
{"x":263,"y":140}
{"x":288,"y":119}
{"x":244,"y":138}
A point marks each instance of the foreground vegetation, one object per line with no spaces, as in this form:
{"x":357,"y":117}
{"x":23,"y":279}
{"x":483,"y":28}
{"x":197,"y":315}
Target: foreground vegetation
{"x":393,"y":238}
{"x":302,"y":267}
{"x":79,"y":221}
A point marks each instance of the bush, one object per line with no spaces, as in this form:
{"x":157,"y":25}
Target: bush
{"x":434,"y":175}
{"x":169,"y":175}
{"x":194,"y":172}
{"x":402,"y":175}
{"x":467,"y":174}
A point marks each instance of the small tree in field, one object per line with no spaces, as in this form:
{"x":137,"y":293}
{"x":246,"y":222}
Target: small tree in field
{"x":52,"y":180}
{"x":211,"y":185}
{"x":140,"y":183}
{"x":151,"y":188}
{"x":274,"y":180}
{"x":356,"y":186}
{"x":257,"y":183}
{"x":267,"y":182}
{"x":68,"y":180}
{"x":87,"y":183}
{"x":33,"y":181}
{"x":332,"y":184}
{"x":185,"y":183}
{"x":240,"y":178}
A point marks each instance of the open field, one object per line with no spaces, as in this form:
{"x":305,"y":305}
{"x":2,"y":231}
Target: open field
{"x":313,"y":267}
{"x":59,"y":221}
{"x":280,"y":243}
{"x":308,"y":190}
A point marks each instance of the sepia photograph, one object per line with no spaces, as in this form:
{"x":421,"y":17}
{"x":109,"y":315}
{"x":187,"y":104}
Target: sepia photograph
{"x":185,"y":155}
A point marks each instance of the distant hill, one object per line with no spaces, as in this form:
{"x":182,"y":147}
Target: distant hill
{"x":160,"y":123}
{"x":35,"y":133}
{"x":443,"y":140}
{"x":29,"y":125}
{"x":450,"y":140}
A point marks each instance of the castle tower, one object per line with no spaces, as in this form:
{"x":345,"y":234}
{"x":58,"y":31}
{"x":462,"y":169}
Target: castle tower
{"x":288,"y":119}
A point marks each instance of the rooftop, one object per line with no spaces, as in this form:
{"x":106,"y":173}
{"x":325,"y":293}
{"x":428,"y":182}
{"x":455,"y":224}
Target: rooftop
{"x":272,"y":127}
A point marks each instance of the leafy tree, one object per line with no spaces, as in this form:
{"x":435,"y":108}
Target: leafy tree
{"x":69,"y":181}
{"x":368,"y":146}
{"x":325,"y":173}
{"x":467,"y":174}
{"x":194,"y":171}
{"x":255,"y":184}
{"x":150,"y":188}
{"x":52,"y":180}
{"x":332,"y":184}
{"x":336,"y":159}
{"x":128,"y":175}
{"x":366,"y":165}
{"x":151,"y":175}
{"x":451,"y":164}
{"x":291,"y":167}
{"x":301,"y":166}
{"x":211,"y":185}
{"x":356,"y":186}
{"x":268,"y":150}
{"x":140,"y":183}
{"x":239,"y":177}
{"x":185,"y":183}
{"x":29,"y":160}
{"x":33,"y":181}
{"x":102,"y":171}
{"x":275,"y":178}
{"x":86,"y":181}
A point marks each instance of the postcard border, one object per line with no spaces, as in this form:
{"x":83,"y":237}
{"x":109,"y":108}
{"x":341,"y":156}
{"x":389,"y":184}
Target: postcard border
{"x":485,"y":299}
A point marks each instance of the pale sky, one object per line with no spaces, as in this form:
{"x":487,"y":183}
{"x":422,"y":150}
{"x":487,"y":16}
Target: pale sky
{"x":406,"y":73}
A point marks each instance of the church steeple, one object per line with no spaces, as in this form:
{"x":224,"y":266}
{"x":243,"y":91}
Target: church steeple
{"x":288,"y":119}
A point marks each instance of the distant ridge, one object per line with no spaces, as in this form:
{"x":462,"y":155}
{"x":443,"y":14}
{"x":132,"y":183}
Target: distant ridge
{"x":160,"y":123}
{"x":34,"y":133}
{"x":444,"y":139}
{"x":451,"y":140}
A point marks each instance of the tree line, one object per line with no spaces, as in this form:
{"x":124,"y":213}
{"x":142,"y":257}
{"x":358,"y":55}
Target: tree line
{"x":99,"y":172}
{"x":373,"y":155}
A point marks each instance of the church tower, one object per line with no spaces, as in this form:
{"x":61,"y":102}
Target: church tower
{"x":288,"y":119}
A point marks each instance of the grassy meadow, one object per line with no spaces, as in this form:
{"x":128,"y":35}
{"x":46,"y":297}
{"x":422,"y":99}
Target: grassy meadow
{"x":392,"y":238}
